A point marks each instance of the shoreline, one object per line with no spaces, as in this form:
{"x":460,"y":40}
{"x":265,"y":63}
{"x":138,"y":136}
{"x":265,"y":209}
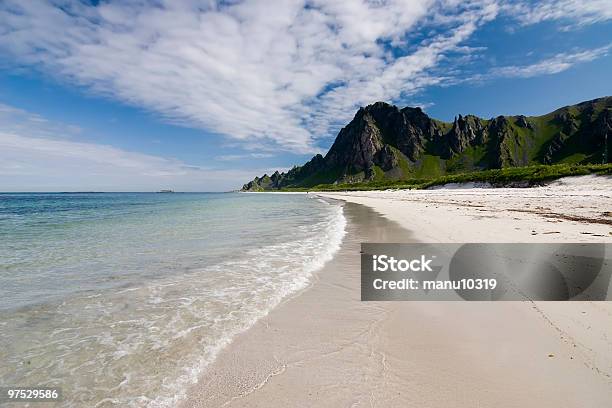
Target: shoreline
{"x":325,"y":347}
{"x":253,"y":359}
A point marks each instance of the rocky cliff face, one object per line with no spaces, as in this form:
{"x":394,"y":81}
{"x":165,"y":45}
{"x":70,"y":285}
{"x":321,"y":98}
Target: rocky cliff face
{"x":466,"y":131}
{"x":385,"y":142}
{"x":380,"y":136}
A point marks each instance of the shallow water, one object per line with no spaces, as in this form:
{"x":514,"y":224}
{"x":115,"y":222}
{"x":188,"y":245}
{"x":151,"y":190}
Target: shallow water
{"x":122,"y":299}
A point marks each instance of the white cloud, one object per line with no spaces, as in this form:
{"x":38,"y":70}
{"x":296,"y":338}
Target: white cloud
{"x":283,"y":71}
{"x":44,"y":164}
{"x":232,"y":157}
{"x":553,"y":65}
{"x":17,"y":120}
{"x":573,"y":12}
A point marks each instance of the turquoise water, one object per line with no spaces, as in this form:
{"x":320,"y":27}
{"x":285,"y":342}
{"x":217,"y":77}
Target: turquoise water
{"x":122,"y":299}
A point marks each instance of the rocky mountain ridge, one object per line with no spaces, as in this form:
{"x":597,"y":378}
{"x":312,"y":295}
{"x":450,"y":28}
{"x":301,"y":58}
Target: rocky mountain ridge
{"x":386,"y":142}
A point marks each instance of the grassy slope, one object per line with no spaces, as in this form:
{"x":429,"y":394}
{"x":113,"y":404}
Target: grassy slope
{"x":532,"y":175}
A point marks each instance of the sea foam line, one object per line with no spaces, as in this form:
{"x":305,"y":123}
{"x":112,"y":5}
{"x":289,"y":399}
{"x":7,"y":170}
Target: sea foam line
{"x":333,"y":235}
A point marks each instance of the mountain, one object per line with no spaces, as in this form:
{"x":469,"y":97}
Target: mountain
{"x":384,"y":142}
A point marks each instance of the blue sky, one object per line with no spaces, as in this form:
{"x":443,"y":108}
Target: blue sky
{"x":204,"y":95}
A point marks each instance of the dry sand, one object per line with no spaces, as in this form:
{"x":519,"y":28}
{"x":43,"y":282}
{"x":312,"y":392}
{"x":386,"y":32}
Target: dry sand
{"x":576,"y":209}
{"x":323,"y":347}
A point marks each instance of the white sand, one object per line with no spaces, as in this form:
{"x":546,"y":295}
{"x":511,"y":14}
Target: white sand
{"x":325,"y":347}
{"x":568,"y":210}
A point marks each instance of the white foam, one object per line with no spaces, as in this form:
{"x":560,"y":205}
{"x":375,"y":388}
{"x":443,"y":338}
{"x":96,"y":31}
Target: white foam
{"x":144,"y":345}
{"x":308,"y":256}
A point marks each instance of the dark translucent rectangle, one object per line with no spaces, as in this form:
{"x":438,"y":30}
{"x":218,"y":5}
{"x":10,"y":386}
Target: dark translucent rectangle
{"x":486,"y":272}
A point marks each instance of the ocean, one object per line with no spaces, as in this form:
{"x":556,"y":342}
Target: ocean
{"x":123,"y":299}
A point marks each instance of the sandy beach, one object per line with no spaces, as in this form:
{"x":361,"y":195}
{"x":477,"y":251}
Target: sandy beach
{"x":324,"y":347}
{"x":574,"y":209}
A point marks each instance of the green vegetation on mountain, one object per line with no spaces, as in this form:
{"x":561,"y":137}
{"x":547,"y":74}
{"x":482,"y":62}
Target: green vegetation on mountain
{"x":385,"y":146}
{"x":510,"y":176}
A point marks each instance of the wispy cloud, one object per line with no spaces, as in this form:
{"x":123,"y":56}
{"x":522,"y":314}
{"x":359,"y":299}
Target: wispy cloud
{"x":547,"y":66}
{"x":94,"y":154}
{"x":41,"y":164}
{"x":571,"y":12}
{"x":35,"y":158}
{"x":232,"y":157}
{"x":280,"y":71}
{"x":17,"y":120}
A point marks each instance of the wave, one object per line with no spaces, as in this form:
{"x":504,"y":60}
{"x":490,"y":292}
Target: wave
{"x":145,"y":344}
{"x":306,"y":257}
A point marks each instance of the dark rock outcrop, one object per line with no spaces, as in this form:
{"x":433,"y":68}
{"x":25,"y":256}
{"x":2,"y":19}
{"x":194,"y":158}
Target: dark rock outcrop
{"x":523,"y":122}
{"x":466,"y":131}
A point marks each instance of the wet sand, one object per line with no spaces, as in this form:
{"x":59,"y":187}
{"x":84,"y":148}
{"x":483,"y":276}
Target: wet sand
{"x":324,"y":347}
